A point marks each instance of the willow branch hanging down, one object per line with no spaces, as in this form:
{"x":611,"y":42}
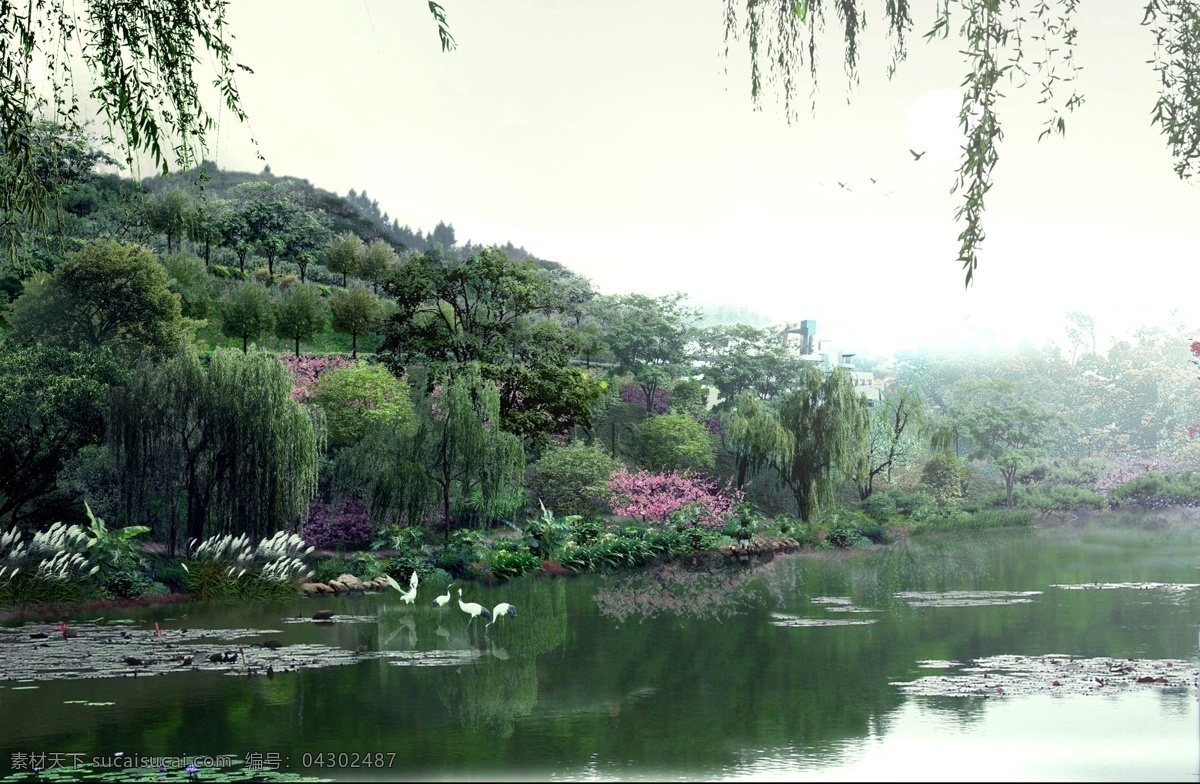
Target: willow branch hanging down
{"x":1018,"y":41}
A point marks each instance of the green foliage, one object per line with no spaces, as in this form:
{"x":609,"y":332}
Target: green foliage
{"x":300,"y":314}
{"x":689,"y":396}
{"x":572,"y":479}
{"x":360,"y":397}
{"x":356,"y":312}
{"x":188,"y":279}
{"x":52,"y":403}
{"x":136,"y":64}
{"x":226,"y":442}
{"x":344,"y":254}
{"x":118,"y":553}
{"x":825,"y":424}
{"x":741,"y":358}
{"x":109,"y":293}
{"x":510,"y":559}
{"x":1155,"y":490}
{"x":945,"y":477}
{"x":247,"y":312}
{"x":496,"y":312}
{"x":849,"y":528}
{"x":399,"y":537}
{"x":648,"y":337}
{"x":880,"y":507}
{"x":672,"y":442}
{"x":544,"y":535}
{"x":982,"y":520}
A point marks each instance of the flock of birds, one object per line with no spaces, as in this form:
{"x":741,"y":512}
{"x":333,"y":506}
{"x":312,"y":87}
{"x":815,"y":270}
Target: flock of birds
{"x":846,"y":186}
{"x":473,"y":609}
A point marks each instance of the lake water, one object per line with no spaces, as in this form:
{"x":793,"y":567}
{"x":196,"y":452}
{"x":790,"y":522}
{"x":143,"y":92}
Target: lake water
{"x":826,"y":666}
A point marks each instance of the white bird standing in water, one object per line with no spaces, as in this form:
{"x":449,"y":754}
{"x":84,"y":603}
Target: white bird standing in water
{"x":473,"y":609}
{"x":411,"y":593}
{"x":503,"y":608}
{"x":441,"y":601}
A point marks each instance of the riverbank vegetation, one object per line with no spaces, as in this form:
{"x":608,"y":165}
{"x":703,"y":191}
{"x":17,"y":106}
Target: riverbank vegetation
{"x":263,"y":382}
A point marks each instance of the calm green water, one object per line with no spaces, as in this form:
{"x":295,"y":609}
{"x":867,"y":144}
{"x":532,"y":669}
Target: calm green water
{"x":682,"y":676}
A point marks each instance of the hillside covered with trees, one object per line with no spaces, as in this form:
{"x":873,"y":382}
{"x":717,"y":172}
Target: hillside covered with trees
{"x":227,"y":354}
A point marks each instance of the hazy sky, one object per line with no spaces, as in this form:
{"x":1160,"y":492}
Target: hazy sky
{"x":614,"y":137}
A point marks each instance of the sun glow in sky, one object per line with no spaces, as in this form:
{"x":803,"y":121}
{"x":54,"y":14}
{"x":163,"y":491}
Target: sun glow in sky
{"x":617,"y":139}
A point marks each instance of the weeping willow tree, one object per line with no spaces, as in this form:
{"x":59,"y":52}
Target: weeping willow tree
{"x":1005,"y":42}
{"x":465,"y":448}
{"x":223,"y":448}
{"x":825,"y":423}
{"x":455,"y":450}
{"x":755,"y":435}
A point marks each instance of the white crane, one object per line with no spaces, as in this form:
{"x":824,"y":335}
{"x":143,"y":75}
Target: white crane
{"x":411,"y":593}
{"x":503,"y":608}
{"x":441,"y":601}
{"x":473,"y":609}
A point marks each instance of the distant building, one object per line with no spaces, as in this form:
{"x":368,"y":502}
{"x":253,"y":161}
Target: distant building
{"x":820,"y":351}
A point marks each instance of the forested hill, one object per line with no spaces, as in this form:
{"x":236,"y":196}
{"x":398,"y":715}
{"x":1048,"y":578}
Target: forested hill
{"x":355,"y":212}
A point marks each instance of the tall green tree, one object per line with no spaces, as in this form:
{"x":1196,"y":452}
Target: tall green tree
{"x":894,"y":436}
{"x":649,"y":337}
{"x":1003,"y":426}
{"x":756,"y":436}
{"x":464,"y":445}
{"x":247,"y":312}
{"x":740,"y":357}
{"x":499,"y":313}
{"x":300,"y":314}
{"x":109,"y":293}
{"x":355,"y":311}
{"x":167,"y":213}
{"x":343,"y":254}
{"x":825,"y":421}
{"x":52,"y":403}
{"x":377,"y":260}
{"x":216,"y":449}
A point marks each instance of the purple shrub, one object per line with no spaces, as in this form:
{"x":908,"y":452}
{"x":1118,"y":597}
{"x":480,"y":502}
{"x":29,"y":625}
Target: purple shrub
{"x":347,"y":527}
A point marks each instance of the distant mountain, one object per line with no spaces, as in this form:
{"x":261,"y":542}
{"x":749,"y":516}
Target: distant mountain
{"x":355,"y":212}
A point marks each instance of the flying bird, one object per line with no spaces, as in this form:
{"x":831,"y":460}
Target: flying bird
{"x":873,"y":180}
{"x":473,"y":609}
{"x":440,"y":601}
{"x":843,"y":185}
{"x":503,"y":608}
{"x":916,"y":155}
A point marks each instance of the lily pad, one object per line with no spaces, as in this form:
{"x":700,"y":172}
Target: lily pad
{"x":1010,"y":675}
{"x":779,"y":619}
{"x":1165,"y":587}
{"x":99,"y":652}
{"x":433,"y":658}
{"x":966,"y":598}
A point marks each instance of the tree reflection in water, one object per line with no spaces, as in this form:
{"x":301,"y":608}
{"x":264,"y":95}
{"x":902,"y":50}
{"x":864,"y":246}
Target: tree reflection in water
{"x":671,"y":589}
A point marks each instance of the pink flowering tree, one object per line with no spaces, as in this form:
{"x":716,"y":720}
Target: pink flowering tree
{"x":1133,"y":468}
{"x":654,"y":496}
{"x":307,"y":369}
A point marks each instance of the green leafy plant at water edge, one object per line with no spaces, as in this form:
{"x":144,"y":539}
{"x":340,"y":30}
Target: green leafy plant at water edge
{"x":545,"y":535}
{"x":988,"y":518}
{"x":118,"y":556}
{"x":512,"y":560}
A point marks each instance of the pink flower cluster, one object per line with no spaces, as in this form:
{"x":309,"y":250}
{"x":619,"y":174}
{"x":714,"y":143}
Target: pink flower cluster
{"x":306,"y":370}
{"x":1133,"y":468}
{"x":632,"y":393}
{"x":653,"y":496}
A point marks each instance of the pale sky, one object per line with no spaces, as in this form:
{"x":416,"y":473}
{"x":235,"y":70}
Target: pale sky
{"x":615,"y":138}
